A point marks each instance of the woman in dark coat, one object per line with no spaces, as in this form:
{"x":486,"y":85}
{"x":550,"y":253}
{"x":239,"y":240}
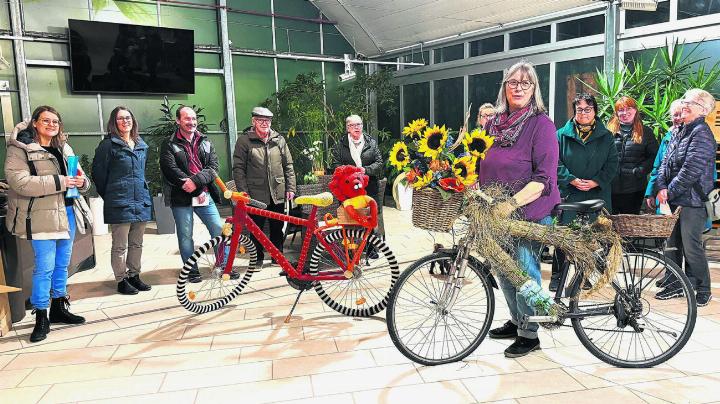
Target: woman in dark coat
{"x":119,"y":175}
{"x":636,"y":147}
{"x":587,"y":165}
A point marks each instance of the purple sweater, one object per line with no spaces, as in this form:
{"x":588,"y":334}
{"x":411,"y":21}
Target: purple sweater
{"x":533,"y":157}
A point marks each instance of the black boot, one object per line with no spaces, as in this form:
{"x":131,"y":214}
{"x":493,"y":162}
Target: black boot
{"x":138,"y":284}
{"x":59,"y":312}
{"x":521,"y":347}
{"x":125,"y":288}
{"x":42,"y":325}
{"x":508,"y":330}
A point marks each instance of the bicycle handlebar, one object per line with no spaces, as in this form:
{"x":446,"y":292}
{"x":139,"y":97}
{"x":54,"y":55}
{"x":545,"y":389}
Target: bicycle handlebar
{"x":238,"y":196}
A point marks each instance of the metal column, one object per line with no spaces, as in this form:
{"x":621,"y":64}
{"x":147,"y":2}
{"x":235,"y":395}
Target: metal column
{"x":20,"y":66}
{"x":228,"y":76}
{"x":611,"y":30}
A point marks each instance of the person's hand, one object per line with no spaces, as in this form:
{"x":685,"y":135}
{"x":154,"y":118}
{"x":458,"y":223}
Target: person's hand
{"x":577,"y":183}
{"x":72,"y":182}
{"x":587,"y":185}
{"x":504,"y":209}
{"x":289,"y":196}
{"x":650,"y":202}
{"x":662,"y":196}
{"x":189,"y":186}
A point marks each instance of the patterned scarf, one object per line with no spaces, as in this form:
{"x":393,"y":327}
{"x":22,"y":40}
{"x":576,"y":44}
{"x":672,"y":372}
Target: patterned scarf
{"x":507,"y":127}
{"x":584,"y":131}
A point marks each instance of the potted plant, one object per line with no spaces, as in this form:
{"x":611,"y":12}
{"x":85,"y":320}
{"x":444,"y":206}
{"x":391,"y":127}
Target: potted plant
{"x":156,"y":135}
{"x":94,"y":200}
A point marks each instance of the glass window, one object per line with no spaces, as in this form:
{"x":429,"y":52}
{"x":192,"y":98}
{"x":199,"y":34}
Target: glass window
{"x":389,"y":119}
{"x":636,"y":18}
{"x":696,"y":8}
{"x":417,"y":101}
{"x":530,"y":37}
{"x":571,"y":78}
{"x":487,"y":46}
{"x":416,"y":57}
{"x":482,"y":88}
{"x":449,"y":53}
{"x":579,"y":28}
{"x":543,"y":72}
{"x":449,"y":103}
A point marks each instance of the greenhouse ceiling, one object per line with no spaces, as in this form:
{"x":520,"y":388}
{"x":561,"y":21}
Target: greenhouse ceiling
{"x":375,"y":27}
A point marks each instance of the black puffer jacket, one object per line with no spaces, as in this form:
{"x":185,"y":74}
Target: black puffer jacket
{"x":635,"y":162}
{"x":690,"y":159}
{"x":174,"y":167}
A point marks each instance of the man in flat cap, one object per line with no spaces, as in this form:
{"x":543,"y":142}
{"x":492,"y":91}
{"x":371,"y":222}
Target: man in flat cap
{"x":263,"y":167}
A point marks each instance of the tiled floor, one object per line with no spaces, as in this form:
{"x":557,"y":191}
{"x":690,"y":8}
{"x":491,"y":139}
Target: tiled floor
{"x":148,"y":349}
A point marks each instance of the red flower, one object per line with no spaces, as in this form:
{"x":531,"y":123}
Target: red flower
{"x":451,"y":184}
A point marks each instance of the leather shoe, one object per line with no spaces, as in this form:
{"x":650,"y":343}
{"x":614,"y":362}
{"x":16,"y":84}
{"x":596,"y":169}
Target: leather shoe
{"x":507,"y":331}
{"x":521,"y":347}
{"x":138,"y":284}
{"x":125,"y":288}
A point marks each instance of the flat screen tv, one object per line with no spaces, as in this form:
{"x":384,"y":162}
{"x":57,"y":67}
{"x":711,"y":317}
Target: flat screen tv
{"x":124,"y":58}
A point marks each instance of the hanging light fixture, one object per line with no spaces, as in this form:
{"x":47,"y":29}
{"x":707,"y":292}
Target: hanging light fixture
{"x":640,"y":5}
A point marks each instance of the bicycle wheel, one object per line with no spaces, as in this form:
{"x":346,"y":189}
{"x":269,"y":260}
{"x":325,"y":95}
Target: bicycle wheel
{"x":427,"y":334}
{"x":367,"y":292}
{"x":215,"y":290}
{"x":636,"y":330}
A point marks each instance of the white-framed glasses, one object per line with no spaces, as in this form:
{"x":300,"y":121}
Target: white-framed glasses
{"x":124,"y":118}
{"x":49,"y":122}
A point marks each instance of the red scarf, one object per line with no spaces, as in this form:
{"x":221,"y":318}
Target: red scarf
{"x":507,"y":127}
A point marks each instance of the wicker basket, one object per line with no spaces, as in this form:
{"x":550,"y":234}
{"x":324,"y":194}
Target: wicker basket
{"x":645,"y":226}
{"x":431,"y":212}
{"x":343,"y":217}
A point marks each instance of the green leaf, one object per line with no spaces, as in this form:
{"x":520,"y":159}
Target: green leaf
{"x":444,"y":194}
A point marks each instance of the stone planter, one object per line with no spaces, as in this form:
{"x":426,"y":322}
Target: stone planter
{"x":402,"y":194}
{"x":163,"y":216}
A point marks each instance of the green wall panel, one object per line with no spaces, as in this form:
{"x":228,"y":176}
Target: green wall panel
{"x":47,"y":51}
{"x":249,"y":5}
{"x":208,"y":60}
{"x":50,"y":86}
{"x":332,"y":84}
{"x":52,"y":15}
{"x":289,"y":40}
{"x":250,"y":31}
{"x":335,"y":44}
{"x":220,"y":141}
{"x":126,"y":12}
{"x":289,"y":69}
{"x":296,"y":8}
{"x":4,"y":16}
{"x":203,"y":22}
{"x":9,"y":74}
{"x":254,"y":82}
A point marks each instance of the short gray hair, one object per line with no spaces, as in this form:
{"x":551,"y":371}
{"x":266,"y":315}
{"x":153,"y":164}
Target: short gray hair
{"x":353,"y":118}
{"x":528,"y":70}
{"x":702,"y":97}
{"x":675,"y":105}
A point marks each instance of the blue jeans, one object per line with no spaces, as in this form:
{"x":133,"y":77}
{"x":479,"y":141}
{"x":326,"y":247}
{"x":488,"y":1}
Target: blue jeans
{"x":184,"y":225}
{"x":527,"y":254}
{"x":52,"y":258}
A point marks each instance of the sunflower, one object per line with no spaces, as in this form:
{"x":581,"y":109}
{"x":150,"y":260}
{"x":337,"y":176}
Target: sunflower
{"x":415,"y":128}
{"x":399,"y":156}
{"x":478,"y":143}
{"x":433,"y":141}
{"x":423,"y":180}
{"x":464,"y":169}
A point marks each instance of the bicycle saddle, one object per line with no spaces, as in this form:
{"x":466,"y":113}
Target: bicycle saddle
{"x":589,"y":206}
{"x":321,"y":200}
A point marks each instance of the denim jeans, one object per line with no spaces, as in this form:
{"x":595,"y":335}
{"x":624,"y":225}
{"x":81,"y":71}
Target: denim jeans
{"x":52,"y":258}
{"x":527,"y":254}
{"x":184,"y":225}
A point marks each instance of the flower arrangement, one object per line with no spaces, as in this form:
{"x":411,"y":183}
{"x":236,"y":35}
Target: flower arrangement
{"x":432,"y":157}
{"x":314,"y":153}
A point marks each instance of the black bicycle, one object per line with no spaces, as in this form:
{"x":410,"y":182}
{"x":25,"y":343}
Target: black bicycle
{"x":441,"y":318}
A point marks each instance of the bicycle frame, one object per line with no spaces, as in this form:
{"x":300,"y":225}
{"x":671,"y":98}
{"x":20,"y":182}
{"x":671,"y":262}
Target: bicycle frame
{"x":241,"y":219}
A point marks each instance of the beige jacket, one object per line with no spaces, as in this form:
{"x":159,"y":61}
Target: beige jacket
{"x":39,"y":200}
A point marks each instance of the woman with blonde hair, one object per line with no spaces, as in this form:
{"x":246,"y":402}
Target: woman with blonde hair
{"x":636,"y":146}
{"x":486,"y":113}
{"x":38,"y":210}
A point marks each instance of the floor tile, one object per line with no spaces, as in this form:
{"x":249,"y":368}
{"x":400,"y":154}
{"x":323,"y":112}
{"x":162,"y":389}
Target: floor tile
{"x":692,"y":389}
{"x":245,"y":339}
{"x":389,"y":356}
{"x":24,"y":395}
{"x":57,"y":358}
{"x":101,"y":389}
{"x":58,"y":345}
{"x":12,"y":378}
{"x":125,"y":336}
{"x":365,"y":379}
{"x":175,"y":397}
{"x":286,"y":350}
{"x":589,"y":381}
{"x":332,"y":362}
{"x":83,"y":372}
{"x":258,"y":392}
{"x":517,"y":385}
{"x":218,"y":376}
{"x":333,"y":399}
{"x":629,"y":376}
{"x":446,"y":392}
{"x":188,"y":361}
{"x":598,"y":396}
{"x":696,"y":362}
{"x":5,"y":359}
{"x":483,"y":366}
{"x":162,"y":348}
{"x":228,"y":327}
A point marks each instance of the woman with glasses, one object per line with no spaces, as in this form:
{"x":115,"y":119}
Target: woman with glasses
{"x":119,"y":175}
{"x":486,"y":113}
{"x":636,"y":146}
{"x":684,"y":179}
{"x":39,"y":210}
{"x":588,"y":163}
{"x":524,"y":157}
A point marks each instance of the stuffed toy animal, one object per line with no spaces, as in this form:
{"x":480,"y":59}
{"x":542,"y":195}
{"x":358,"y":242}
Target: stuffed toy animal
{"x":348,"y":185}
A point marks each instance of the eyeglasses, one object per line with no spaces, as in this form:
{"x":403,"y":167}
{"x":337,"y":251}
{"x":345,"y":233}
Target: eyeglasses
{"x":524,"y":85}
{"x":355,"y":125}
{"x":686,"y":105}
{"x":124,"y":118}
{"x":48,"y":122}
{"x":487,"y":116}
{"x":623,"y":111}
{"x":584,"y":110}
{"x":263,"y":121}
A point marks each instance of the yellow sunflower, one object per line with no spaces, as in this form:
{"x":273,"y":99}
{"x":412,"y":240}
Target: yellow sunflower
{"x":433,"y":141}
{"x":414,"y":129}
{"x":478,"y":143}
{"x":465,"y":169}
{"x":399,"y":156}
{"x":423,"y":180}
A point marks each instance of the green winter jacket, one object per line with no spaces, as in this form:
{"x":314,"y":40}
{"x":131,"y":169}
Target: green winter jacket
{"x":595,"y":160}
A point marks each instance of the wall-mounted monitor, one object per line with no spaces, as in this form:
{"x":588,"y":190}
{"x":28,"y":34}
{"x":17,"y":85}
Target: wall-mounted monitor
{"x":124,"y":58}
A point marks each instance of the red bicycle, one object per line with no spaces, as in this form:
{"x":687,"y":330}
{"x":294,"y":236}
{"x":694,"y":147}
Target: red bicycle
{"x":338,"y":268}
